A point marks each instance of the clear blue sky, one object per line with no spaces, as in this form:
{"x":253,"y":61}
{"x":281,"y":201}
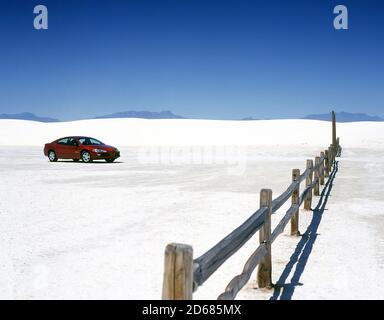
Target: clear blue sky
{"x":201,"y":59}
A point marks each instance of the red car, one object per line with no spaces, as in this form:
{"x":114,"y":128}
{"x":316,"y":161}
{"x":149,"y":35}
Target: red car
{"x":80,"y":148}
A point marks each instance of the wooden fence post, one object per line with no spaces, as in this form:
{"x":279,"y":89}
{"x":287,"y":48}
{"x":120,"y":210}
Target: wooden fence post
{"x":322,"y":155}
{"x":326,"y":163}
{"x":178,"y":272}
{"x":338,"y":147}
{"x":330,"y":163}
{"x":333,"y":128}
{"x":308,"y":182}
{"x":295,"y":200}
{"x":264,"y":273}
{"x":316,"y":189}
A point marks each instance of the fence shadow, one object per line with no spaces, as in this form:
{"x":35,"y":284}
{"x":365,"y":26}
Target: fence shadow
{"x":299,"y":259}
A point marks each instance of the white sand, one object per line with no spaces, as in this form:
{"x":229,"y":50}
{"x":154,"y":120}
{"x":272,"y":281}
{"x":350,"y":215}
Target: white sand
{"x":141,"y":132}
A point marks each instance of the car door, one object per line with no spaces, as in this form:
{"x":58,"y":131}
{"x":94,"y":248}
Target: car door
{"x":71,"y":149}
{"x":61,"y":146}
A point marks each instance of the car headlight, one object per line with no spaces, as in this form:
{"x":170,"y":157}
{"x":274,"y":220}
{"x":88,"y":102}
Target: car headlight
{"x":99,"y":150}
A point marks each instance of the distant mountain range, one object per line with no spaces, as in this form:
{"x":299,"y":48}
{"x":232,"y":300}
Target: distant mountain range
{"x":340,"y":117}
{"x":142,"y":114}
{"x":344,"y":117}
{"x":249,"y":119}
{"x":27,"y":116}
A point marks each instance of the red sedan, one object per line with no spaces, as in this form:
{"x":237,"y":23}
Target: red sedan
{"x":80,"y":148}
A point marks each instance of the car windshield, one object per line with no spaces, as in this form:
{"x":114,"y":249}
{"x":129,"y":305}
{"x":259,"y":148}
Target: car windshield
{"x":90,"y":141}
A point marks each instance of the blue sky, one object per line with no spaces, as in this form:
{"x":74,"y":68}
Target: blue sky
{"x":200,"y":59}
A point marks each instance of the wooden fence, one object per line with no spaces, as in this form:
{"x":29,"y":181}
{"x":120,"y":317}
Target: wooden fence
{"x":183,"y":274}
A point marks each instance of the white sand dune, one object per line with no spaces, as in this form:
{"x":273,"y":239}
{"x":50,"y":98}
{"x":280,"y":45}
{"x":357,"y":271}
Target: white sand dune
{"x":141,"y":132}
{"x":76,"y":231}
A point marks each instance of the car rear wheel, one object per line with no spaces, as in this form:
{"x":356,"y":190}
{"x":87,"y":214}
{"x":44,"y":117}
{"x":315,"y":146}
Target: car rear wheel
{"x":86,"y":157}
{"x":109,"y":160}
{"x":52,"y":156}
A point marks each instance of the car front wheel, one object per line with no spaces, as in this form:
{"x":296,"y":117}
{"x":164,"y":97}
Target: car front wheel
{"x":109,"y":160}
{"x":52,"y":156}
{"x":86,"y":157}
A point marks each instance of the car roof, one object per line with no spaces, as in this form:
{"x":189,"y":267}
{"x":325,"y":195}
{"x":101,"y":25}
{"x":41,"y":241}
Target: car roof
{"x":76,"y":137}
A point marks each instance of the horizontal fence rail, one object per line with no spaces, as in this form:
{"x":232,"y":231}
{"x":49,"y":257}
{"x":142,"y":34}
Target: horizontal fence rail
{"x":210,"y":261}
{"x":183,"y":275}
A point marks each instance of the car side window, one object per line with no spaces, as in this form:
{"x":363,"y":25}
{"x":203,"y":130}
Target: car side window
{"x":85,"y":141}
{"x":89,"y":141}
{"x":63,"y":141}
{"x":72,"y":142}
{"x":95,"y":142}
